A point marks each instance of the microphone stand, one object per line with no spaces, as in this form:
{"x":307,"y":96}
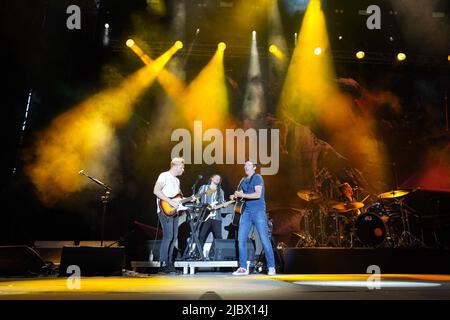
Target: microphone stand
{"x":195,"y":184}
{"x":104,"y":199}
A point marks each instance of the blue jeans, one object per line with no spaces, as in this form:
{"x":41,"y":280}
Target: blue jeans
{"x":258,"y":218}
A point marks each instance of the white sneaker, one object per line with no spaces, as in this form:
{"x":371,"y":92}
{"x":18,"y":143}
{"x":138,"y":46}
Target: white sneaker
{"x":271,"y":272}
{"x":241,"y":272}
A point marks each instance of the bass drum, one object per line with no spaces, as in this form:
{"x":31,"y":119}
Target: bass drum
{"x":370,"y":229}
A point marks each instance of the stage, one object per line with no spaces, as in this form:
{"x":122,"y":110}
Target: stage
{"x":223,"y":286}
{"x":147,"y":135}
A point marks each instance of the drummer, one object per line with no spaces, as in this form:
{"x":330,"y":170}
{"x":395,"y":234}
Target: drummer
{"x":347,"y":195}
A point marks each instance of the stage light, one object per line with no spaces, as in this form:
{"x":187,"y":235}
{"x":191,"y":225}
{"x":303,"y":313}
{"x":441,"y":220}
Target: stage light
{"x":130,"y":43}
{"x":106,"y":35}
{"x":254,"y":104}
{"x":360,"y":54}
{"x":448,"y":58}
{"x":317,"y":51}
{"x":197,"y":31}
{"x":273,"y":49}
{"x":221,"y":46}
{"x":401,"y":56}
{"x":179,"y":45}
{"x":340,"y":37}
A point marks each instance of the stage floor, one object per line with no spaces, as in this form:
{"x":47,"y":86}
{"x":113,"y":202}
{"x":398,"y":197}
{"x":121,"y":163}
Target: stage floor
{"x":218,"y":286}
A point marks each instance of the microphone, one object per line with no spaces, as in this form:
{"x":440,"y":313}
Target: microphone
{"x":81,"y":173}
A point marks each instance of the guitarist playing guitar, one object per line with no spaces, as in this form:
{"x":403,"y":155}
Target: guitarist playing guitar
{"x":167,"y":187}
{"x":213,"y":221}
{"x":253,"y":214}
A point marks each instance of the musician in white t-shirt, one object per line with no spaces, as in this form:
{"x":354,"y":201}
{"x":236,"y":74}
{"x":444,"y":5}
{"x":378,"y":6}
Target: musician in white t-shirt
{"x":166,"y":187}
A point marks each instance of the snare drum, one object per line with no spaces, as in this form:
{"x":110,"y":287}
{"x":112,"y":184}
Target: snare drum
{"x":380,"y":210}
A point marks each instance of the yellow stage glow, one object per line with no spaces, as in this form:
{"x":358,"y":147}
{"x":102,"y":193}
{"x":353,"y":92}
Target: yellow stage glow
{"x":273,"y":48}
{"x":84,"y":137}
{"x":360,"y":54}
{"x":130,"y":43}
{"x":448,"y":58}
{"x":222,"y":46}
{"x":311,"y":97}
{"x":401,"y":56}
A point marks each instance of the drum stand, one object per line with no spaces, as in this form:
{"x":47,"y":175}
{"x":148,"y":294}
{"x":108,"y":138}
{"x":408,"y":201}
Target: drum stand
{"x":338,"y":229}
{"x":407,"y":239}
{"x":307,"y":239}
{"x":322,"y":233}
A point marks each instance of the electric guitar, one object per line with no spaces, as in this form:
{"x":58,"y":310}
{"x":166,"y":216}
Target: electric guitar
{"x":170,"y":211}
{"x":213,"y":208}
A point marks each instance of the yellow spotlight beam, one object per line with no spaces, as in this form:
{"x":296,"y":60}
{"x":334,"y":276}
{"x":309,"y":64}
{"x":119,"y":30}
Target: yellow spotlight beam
{"x":310,"y":74}
{"x":310,"y":96}
{"x":83,"y":137}
{"x":171,"y":83}
{"x":206,"y":97}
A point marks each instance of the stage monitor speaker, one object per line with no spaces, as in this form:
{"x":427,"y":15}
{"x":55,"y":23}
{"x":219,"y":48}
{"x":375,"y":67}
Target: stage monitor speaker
{"x":19,"y":261}
{"x":93,"y":261}
{"x":227,"y":250}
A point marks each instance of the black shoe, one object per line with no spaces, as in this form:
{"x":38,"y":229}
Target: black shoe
{"x":166,"y":270}
{"x":173,"y":270}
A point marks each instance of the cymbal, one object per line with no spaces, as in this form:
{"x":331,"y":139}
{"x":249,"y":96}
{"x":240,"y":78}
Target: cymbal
{"x":308,"y":195}
{"x":347,"y":206}
{"x":393,"y":194}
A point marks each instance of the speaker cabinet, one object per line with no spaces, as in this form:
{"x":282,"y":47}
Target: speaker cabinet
{"x":227,"y":250}
{"x":19,"y":261}
{"x":93,"y":261}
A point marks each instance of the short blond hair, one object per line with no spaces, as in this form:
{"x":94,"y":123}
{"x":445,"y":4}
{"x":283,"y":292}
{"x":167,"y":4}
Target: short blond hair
{"x":176,"y":161}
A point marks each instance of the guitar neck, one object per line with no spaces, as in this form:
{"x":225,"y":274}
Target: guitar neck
{"x":186,"y":200}
{"x":223,"y":204}
{"x":198,"y":195}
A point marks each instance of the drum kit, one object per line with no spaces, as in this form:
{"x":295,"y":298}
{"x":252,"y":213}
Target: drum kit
{"x":384,"y":223}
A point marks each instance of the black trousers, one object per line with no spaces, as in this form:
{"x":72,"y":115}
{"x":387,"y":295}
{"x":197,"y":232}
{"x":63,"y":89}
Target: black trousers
{"x":211,"y":225}
{"x":170,"y":235}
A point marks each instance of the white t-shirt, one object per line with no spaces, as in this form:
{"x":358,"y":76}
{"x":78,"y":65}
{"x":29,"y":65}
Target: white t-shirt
{"x":171,"y":186}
